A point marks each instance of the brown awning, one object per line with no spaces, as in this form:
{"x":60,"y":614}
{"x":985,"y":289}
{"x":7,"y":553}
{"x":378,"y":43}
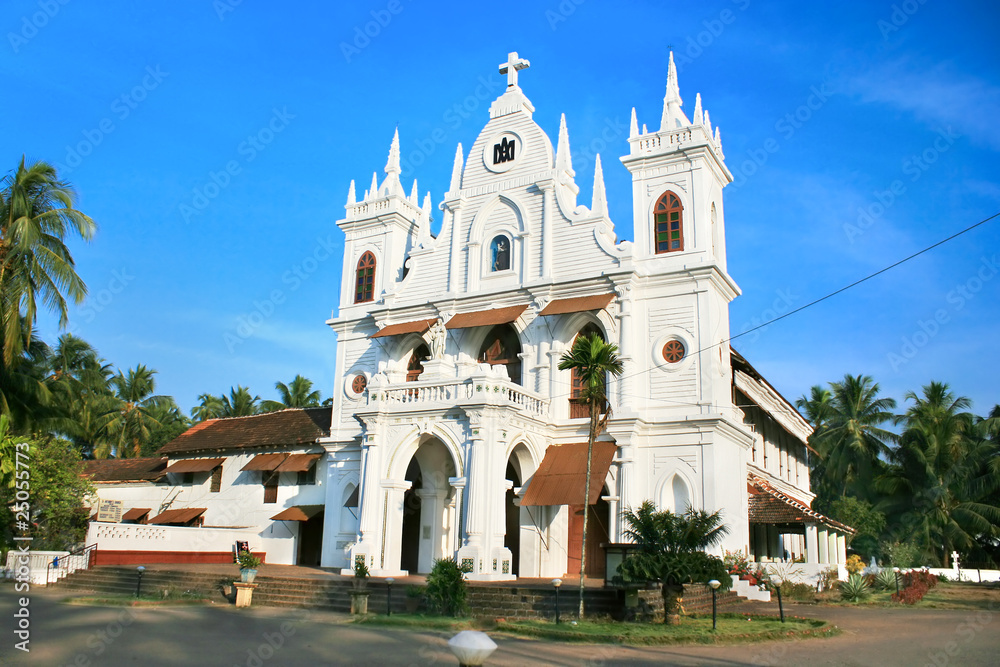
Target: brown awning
{"x":178,"y":516}
{"x":268,"y":462}
{"x":562,"y":474}
{"x":298,"y":463}
{"x":486,"y":318}
{"x":194,"y":465}
{"x":135,"y":514}
{"x":579,"y":304}
{"x":298,"y":513}
{"x":419,"y":327}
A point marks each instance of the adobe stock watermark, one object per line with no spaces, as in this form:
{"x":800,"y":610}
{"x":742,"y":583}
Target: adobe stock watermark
{"x":453,"y":117}
{"x":974,"y":624}
{"x":899,"y":16}
{"x":293,"y":278}
{"x":21,"y":511}
{"x":914,"y":166}
{"x":758,"y":324}
{"x":121,"y":108}
{"x":786,"y":127}
{"x":223,"y":7}
{"x":714,"y":27}
{"x":613,"y":129}
{"x":248,"y":150}
{"x":30,"y":25}
{"x":562,"y":12}
{"x":364,"y":34}
{"x":957,"y":298}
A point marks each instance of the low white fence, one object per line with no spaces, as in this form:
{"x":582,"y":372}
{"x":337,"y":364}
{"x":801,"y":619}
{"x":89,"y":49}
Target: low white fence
{"x":141,"y":537}
{"x":36,"y":566}
{"x":963,"y":574}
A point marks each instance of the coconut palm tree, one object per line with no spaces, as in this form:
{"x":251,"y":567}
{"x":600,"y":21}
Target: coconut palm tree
{"x":670,"y":548}
{"x":131,"y":421}
{"x":592,"y":359}
{"x":25,"y":396}
{"x":296,"y":394}
{"x":36,"y":214}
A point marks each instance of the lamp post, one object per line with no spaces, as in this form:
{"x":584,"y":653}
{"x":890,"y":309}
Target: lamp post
{"x":714,"y":585}
{"x":895,"y":571}
{"x":556,"y":583}
{"x":138,"y":581}
{"x":781,"y":607}
{"x":388,"y":606}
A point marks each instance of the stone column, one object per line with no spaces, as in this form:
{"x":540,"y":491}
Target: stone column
{"x":824,"y":545}
{"x":391,"y":545}
{"x":832,"y":550}
{"x":543,"y":369}
{"x":625,"y":383}
{"x":369,"y":496}
{"x":458,"y":539}
{"x":812,"y":543}
{"x":841,"y":548}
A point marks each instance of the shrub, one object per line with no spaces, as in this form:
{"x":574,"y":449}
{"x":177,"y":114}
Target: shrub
{"x":446,"y":590}
{"x":901,"y":554}
{"x":915,"y":585}
{"x":736,"y":562}
{"x":884,"y":580}
{"x":856,"y":588}
{"x":854,"y":564}
{"x":803,"y":592}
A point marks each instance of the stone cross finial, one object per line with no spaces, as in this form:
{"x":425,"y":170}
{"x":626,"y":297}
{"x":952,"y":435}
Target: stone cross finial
{"x":511,"y":67}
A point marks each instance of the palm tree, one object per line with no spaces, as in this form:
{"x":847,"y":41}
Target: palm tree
{"x":297,"y":394}
{"x":36,"y":213}
{"x":25,"y":396}
{"x":849,"y":437}
{"x":670,"y":548}
{"x":131,"y":422}
{"x":939,"y":483}
{"x":592,"y":359}
{"x":209,"y":407}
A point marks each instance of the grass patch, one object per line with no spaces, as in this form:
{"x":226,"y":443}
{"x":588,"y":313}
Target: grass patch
{"x":132,"y":601}
{"x":946,"y":595}
{"x":694,"y":629}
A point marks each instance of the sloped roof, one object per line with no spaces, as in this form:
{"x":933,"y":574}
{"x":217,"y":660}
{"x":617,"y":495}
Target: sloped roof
{"x":768,"y":505}
{"x":295,"y":426}
{"x":148,"y":469}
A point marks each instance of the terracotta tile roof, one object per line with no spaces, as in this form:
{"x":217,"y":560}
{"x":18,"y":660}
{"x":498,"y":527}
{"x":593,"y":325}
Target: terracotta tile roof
{"x":298,"y":513}
{"x":485,"y":318}
{"x":420,"y":327}
{"x":195,"y":465}
{"x":147,"y":469}
{"x":562,"y":474}
{"x":295,"y":426}
{"x":577,"y":304}
{"x":768,"y":505}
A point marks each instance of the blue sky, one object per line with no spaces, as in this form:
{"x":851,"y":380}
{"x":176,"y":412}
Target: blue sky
{"x":214,"y":142}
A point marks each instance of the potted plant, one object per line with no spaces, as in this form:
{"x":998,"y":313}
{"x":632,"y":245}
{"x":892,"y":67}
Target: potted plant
{"x":414,"y":594}
{"x":359,"y":596}
{"x":248,"y":566}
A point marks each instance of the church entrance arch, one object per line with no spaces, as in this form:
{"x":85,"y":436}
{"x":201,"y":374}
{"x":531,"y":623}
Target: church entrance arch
{"x":427,"y":512}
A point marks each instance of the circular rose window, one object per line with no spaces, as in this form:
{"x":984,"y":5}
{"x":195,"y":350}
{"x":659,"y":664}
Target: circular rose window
{"x":673,"y":351}
{"x":359,"y":384}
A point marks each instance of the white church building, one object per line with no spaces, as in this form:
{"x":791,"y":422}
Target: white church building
{"x":453,"y":433}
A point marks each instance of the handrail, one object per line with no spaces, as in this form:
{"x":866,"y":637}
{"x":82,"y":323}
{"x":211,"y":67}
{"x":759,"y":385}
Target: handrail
{"x":87,"y":551}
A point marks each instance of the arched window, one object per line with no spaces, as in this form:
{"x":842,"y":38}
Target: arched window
{"x":500,"y":253}
{"x":681,"y":495}
{"x":577,"y":405}
{"x":364,"y":287}
{"x":501,"y":348}
{"x":668,"y":224}
{"x":416,"y":364}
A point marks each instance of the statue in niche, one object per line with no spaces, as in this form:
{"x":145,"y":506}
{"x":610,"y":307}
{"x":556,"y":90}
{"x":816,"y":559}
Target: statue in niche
{"x":438,"y":336}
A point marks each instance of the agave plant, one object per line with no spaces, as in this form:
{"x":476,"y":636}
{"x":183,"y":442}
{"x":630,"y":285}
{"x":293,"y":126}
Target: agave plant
{"x":885,"y":579}
{"x":855,"y":589}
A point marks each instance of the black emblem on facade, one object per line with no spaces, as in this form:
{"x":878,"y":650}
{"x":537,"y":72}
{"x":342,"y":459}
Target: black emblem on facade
{"x":504,"y":151}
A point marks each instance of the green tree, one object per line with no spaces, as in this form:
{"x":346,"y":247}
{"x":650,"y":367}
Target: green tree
{"x":25,"y":396}
{"x":131,"y":421}
{"x":592,"y":360}
{"x":36,"y":214}
{"x":860,"y":515}
{"x":172,"y":422}
{"x":296,"y":394}
{"x":239,"y":403}
{"x":670,"y":548}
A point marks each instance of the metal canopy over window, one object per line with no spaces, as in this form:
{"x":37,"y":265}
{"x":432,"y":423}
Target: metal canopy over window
{"x":486,"y":318}
{"x":562,"y":474}
{"x":266,"y":462}
{"x":579,"y":304}
{"x":417,"y":327}
{"x":298,"y":513}
{"x":135,"y":514}
{"x":181,"y":516}
{"x":194,"y":465}
{"x":298,"y":463}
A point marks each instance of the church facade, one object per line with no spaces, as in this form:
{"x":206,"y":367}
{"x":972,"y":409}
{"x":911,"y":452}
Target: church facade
{"x":453,"y":431}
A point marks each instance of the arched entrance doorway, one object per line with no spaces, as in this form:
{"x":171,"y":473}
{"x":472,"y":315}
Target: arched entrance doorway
{"x":512,"y":534}
{"x":426,"y":526}
{"x":598,"y":523}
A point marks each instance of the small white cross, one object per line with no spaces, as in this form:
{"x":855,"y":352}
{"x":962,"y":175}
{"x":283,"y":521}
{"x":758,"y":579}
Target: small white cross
{"x":511,"y":66}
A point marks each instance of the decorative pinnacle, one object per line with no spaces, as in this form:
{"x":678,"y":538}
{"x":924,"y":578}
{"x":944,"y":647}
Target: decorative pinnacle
{"x":672,"y":99}
{"x":392,"y":166}
{"x":456,"y":172}
{"x":373,"y":191}
{"x":697,"y":109}
{"x":633,"y":130}
{"x":351,"y":197}
{"x":414,"y":194}
{"x":564,"y":159}
{"x":599,"y":204}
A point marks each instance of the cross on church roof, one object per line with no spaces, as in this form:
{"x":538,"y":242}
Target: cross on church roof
{"x":511,"y":66}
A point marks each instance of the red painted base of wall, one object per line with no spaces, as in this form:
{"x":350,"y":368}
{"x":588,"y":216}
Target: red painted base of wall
{"x":102,"y":557}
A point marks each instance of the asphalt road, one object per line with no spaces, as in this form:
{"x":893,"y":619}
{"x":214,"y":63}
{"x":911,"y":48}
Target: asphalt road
{"x":63,"y":634}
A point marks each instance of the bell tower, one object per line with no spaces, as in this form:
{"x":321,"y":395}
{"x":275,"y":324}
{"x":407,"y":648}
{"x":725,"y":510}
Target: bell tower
{"x":678,"y":173}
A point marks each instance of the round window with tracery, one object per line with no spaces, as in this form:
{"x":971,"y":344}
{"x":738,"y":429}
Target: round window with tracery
{"x":673,"y":351}
{"x":359,"y":384}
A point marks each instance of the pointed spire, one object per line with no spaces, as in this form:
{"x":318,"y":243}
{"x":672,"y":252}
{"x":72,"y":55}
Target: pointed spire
{"x":426,"y":208}
{"x":708,"y":124}
{"x":672,"y":99}
{"x":633,"y":129}
{"x":718,"y":140}
{"x":456,"y":172}
{"x":351,"y":197}
{"x":697,"y":109}
{"x":599,"y":205}
{"x":392,"y":166}
{"x":414,"y":194}
{"x":373,"y":190}
{"x":564,"y":160}
{"x":644,"y":130}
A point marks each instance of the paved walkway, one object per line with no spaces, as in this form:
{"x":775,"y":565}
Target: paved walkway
{"x":222,"y":635}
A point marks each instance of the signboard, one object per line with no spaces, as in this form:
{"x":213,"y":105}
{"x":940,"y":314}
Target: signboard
{"x":110,"y":511}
